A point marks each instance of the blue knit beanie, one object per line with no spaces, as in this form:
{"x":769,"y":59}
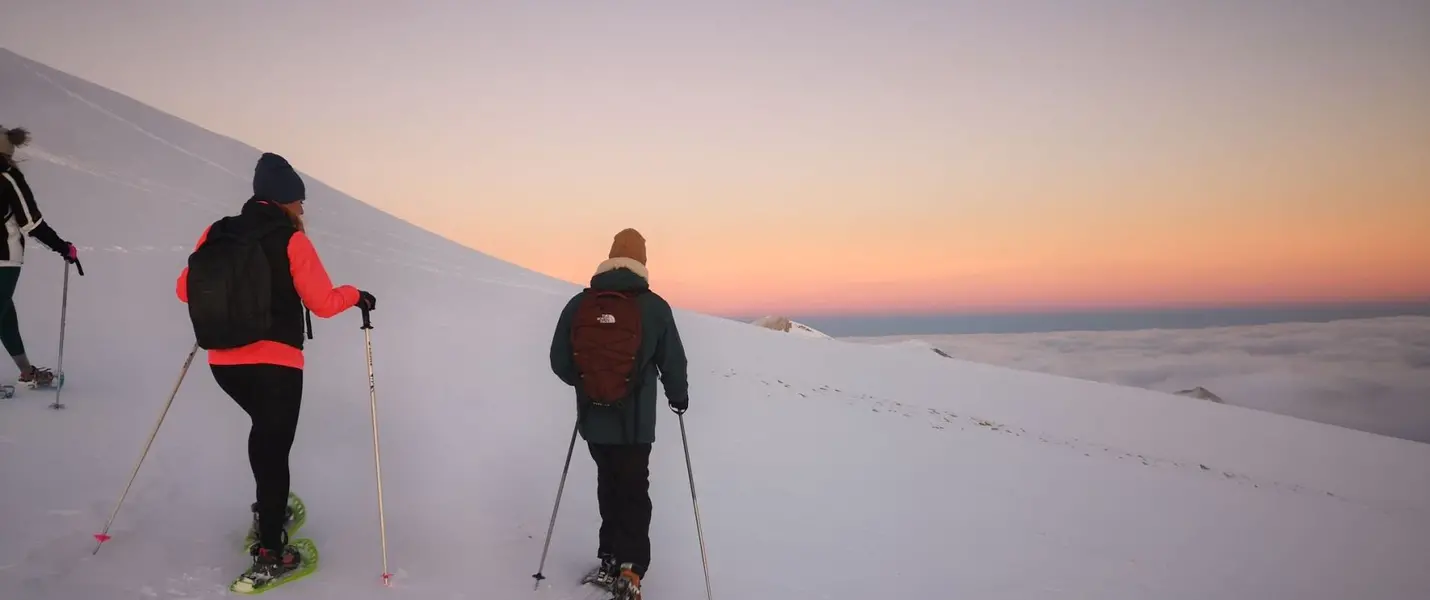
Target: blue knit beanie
{"x":275,"y":180}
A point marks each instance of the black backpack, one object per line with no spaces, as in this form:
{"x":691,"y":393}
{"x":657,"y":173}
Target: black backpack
{"x":230,"y":287}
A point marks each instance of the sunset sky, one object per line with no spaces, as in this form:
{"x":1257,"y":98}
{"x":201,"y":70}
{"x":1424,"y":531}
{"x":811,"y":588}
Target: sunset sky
{"x":833,"y":157}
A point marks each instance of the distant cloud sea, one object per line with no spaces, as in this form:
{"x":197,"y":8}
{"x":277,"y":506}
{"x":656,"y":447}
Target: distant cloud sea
{"x":1366,"y":374}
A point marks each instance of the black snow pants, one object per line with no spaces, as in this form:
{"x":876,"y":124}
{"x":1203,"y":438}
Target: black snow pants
{"x":271,"y":395}
{"x":623,"y":492}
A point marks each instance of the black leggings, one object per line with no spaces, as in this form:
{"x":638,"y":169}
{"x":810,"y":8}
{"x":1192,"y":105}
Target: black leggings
{"x":272,"y":396}
{"x":623,"y":493}
{"x":9,"y":321}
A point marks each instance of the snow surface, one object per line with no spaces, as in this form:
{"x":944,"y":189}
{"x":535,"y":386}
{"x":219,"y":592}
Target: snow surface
{"x":824,"y":470}
{"x":1370,"y":374}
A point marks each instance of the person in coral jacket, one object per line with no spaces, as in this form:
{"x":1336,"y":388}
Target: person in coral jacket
{"x":255,"y":340}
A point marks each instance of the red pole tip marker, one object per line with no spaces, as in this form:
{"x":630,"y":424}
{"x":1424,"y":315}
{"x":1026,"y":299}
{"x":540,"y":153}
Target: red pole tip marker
{"x":101,"y":537}
{"x":387,"y":579}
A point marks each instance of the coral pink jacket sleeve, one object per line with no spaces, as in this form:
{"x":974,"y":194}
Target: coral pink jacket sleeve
{"x":312,"y":281}
{"x":182,"y":288}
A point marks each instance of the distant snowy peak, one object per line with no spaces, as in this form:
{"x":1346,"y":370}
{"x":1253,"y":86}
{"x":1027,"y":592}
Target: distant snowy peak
{"x":786,"y":325}
{"x":1202,"y":393}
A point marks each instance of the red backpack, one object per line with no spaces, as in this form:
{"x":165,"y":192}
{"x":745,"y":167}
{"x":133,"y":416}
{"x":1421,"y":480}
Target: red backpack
{"x":605,"y":341}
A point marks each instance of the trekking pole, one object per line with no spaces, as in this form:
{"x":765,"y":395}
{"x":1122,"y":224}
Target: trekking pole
{"x":704,"y":562}
{"x":559,"y":489}
{"x":64,"y":313}
{"x":103,"y":536}
{"x":376,"y":452}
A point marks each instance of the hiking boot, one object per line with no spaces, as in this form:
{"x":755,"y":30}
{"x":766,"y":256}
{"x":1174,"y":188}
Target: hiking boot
{"x":253,"y":529}
{"x":627,"y":585}
{"x":294,"y":515}
{"x":37,"y":377}
{"x":605,"y":574}
{"x":269,"y":565}
{"x":287,"y":517}
{"x":608,"y":573}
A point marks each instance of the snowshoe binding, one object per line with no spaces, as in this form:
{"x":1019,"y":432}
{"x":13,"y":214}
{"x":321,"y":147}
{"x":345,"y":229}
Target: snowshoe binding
{"x":296,"y":512}
{"x":271,"y":568}
{"x":604,"y":575}
{"x":40,"y":377}
{"x":627,"y":585}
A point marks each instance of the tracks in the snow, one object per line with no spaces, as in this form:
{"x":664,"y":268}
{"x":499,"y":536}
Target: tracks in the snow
{"x":948,"y":420}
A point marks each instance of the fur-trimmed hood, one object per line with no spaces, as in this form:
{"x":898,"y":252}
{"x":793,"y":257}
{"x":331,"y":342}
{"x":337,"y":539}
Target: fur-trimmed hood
{"x":621,"y":262}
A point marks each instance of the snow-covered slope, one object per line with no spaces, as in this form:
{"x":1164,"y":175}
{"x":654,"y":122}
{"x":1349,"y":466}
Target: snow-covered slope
{"x":832,"y":471}
{"x":784,"y":324}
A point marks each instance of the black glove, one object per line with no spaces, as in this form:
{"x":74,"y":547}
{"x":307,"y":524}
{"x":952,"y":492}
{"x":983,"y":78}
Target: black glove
{"x":679,"y":405}
{"x":366,"y":301}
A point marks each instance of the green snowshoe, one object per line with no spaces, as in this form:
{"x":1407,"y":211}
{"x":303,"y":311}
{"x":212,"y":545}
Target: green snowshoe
{"x":269,"y":570}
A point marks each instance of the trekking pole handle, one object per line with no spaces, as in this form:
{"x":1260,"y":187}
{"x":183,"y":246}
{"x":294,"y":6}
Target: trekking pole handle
{"x":79,"y":267}
{"x":366,"y":317}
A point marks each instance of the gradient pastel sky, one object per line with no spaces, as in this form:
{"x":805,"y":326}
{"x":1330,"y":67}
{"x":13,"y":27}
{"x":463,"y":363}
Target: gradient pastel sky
{"x":833,"y":157}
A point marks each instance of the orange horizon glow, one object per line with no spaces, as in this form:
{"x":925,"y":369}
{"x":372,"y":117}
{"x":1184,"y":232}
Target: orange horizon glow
{"x":909,"y":157}
{"x":896,"y":262}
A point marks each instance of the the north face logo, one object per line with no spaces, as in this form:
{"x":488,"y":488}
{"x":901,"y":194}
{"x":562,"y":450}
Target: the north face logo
{"x":605,"y":345}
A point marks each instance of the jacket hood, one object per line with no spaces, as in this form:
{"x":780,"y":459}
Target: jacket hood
{"x":621,"y":274}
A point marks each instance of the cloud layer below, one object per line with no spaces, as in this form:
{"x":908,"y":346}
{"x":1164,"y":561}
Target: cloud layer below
{"x":1366,"y":374}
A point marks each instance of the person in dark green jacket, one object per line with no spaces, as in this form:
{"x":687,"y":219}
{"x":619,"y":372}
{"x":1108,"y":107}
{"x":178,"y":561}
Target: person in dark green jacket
{"x":620,"y":439}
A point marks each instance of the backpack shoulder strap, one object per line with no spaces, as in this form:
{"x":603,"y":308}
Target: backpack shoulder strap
{"x":262,"y":230}
{"x":623,"y":294}
{"x":222,"y":229}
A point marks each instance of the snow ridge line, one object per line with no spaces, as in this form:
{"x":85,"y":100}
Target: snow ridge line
{"x":180,"y":195}
{"x":416,"y":259}
{"x":207,"y":207}
{"x":136,"y":127}
{"x":457,"y":272}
